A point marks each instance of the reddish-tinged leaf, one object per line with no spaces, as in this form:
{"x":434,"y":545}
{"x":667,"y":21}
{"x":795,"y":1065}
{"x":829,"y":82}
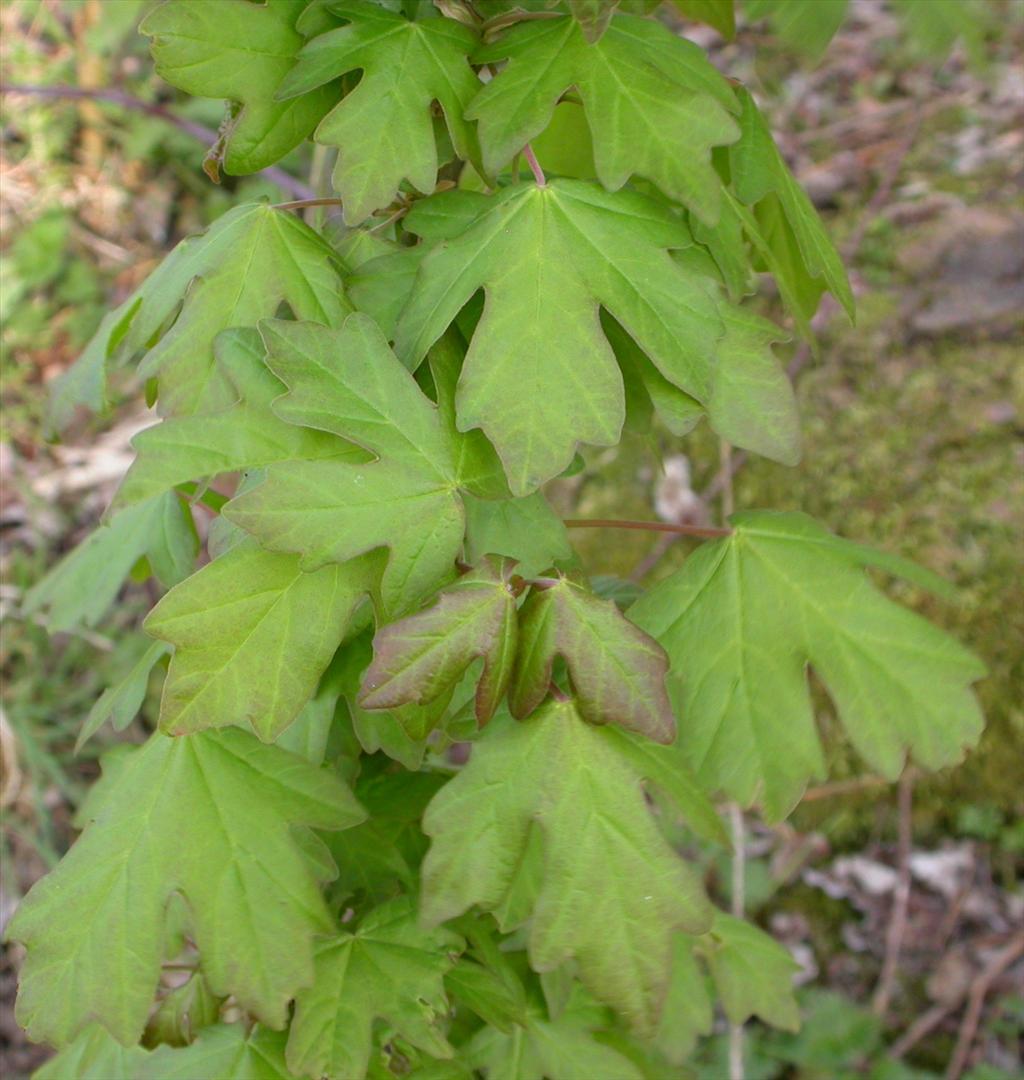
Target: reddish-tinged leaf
{"x":617,"y":671}
{"x":417,"y":659}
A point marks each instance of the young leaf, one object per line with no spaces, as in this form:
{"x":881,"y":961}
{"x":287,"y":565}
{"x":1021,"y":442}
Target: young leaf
{"x":526,"y":530}
{"x":94,"y":1055}
{"x":246,"y":435}
{"x":762,"y":179}
{"x":804,"y":25}
{"x":82,"y":586}
{"x":687,"y":1014}
{"x":647,"y":93}
{"x":617,"y":671}
{"x":241,"y":51}
{"x":741,"y":620}
{"x":716,"y":13}
{"x":563,"y":1048}
{"x":253,"y":902}
{"x":610,"y":890}
{"x":388,"y":969}
{"x":540,"y":376}
{"x":418,"y":658}
{"x":349,"y":382}
{"x":383,"y":128}
{"x":240,"y":270}
{"x":252,"y":634}
{"x":226,"y":1051}
{"x":120,"y":704}
{"x":752,"y":973}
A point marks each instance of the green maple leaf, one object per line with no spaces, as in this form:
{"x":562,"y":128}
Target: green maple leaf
{"x":252,"y":634}
{"x":540,"y":376}
{"x":254,"y":903}
{"x":546,"y":1047}
{"x":94,"y":1055}
{"x":225,"y":1051}
{"x":753,"y":974}
{"x":241,"y":51}
{"x":384,"y":128}
{"x":801,"y":255}
{"x":244,"y":436}
{"x":120,"y":704}
{"x":608,"y":889}
{"x":616,"y":670}
{"x":526,"y":530}
{"x":350,"y":383}
{"x":745,"y":615}
{"x":655,"y":104}
{"x":249,"y":262}
{"x":804,"y":25}
{"x":389,"y":969}
{"x":420,"y":657}
{"x":79,"y":590}
{"x":716,"y":13}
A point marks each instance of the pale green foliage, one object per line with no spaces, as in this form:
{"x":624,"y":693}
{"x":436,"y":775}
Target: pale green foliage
{"x":609,"y":890}
{"x":383,"y":129}
{"x":247,"y":615}
{"x":332,"y":511}
{"x":745,"y":615}
{"x":231,"y":50}
{"x":237,"y":799}
{"x":540,"y":376}
{"x":82,"y":586}
{"x":389,"y":968}
{"x":636,"y":62}
{"x":387,"y":596}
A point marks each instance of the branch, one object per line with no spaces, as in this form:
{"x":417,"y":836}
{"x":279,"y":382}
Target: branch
{"x":702,"y":531}
{"x":901,"y":899}
{"x":284,"y":180}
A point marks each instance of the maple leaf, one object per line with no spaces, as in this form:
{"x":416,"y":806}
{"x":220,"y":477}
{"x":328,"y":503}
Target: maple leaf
{"x":244,"y":616}
{"x":120,"y":704}
{"x":617,"y":672}
{"x":94,"y":1055}
{"x":241,"y":51}
{"x":716,"y":13}
{"x":743,"y":617}
{"x":389,"y":969}
{"x":785,"y":223}
{"x":551,"y":1048}
{"x":636,"y":63}
{"x":526,"y":530}
{"x":418,"y":658}
{"x":609,"y":891}
{"x":753,"y":974}
{"x":242,"y":799}
{"x":226,"y":1051}
{"x":245,"y":435}
{"x":79,"y":590}
{"x":540,"y":376}
{"x":249,"y":262}
{"x":349,"y":382}
{"x":384,"y":128}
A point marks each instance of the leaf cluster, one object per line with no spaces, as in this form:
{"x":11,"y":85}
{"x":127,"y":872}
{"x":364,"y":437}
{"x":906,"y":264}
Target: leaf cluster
{"x":407,"y":805}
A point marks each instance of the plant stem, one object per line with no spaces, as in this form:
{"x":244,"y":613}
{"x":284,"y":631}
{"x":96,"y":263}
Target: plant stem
{"x":738,"y":903}
{"x":705,"y":532}
{"x":901,"y":898}
{"x":531,"y":160}
{"x":284,"y":180}
{"x":302,"y":204}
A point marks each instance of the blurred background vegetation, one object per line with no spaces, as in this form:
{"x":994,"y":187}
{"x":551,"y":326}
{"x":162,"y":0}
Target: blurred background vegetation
{"x":909,"y":134}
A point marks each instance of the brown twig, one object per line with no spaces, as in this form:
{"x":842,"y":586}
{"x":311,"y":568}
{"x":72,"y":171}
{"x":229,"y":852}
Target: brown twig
{"x":976,"y":1001}
{"x":705,"y":532}
{"x":302,"y":204}
{"x":901,"y":898}
{"x":843,"y":787}
{"x":284,"y":180}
